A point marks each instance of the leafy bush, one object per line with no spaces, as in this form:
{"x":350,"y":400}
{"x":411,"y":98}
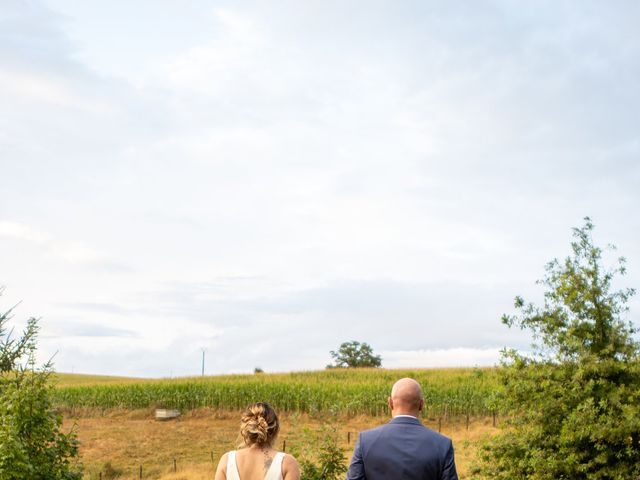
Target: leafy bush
{"x":32,"y":445}
{"x":574,"y":404}
{"x":324,"y":459}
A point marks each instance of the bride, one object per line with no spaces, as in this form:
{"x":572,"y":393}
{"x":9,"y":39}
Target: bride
{"x":258,"y":460}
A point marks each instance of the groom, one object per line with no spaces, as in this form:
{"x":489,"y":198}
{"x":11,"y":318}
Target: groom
{"x":403,"y":448}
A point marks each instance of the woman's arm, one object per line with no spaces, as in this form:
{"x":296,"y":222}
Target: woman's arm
{"x":221,"y":471}
{"x":290,"y":468}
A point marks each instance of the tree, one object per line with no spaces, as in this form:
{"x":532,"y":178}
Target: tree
{"x":573,"y":404}
{"x":353,"y":355}
{"x":32,"y":445}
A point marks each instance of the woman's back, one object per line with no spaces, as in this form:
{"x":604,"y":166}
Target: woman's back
{"x":259,"y":427}
{"x":252,"y":464}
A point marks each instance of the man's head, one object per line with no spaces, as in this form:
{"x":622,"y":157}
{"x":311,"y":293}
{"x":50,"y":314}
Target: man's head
{"x":406,"y":398}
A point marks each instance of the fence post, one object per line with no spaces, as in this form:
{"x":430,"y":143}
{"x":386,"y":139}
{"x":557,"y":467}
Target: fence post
{"x":284,"y":445}
{"x":140,"y":471}
{"x":440,"y":424}
{"x":494,"y":418}
{"x":175,"y":466}
{"x":349,"y":438}
{"x":467,"y":420}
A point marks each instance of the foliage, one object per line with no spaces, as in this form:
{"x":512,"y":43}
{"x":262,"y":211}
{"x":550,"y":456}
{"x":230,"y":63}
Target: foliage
{"x":448,"y":392}
{"x":326,"y":461}
{"x":31,"y":443}
{"x":574,"y":403}
{"x":355,"y":355}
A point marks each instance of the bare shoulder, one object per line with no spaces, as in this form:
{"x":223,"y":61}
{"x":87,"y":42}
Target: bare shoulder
{"x":290,"y":468}
{"x":289,"y":460}
{"x":221,"y":471}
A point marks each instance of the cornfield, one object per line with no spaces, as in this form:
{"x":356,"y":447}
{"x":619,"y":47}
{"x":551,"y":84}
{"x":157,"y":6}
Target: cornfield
{"x":447,"y":392}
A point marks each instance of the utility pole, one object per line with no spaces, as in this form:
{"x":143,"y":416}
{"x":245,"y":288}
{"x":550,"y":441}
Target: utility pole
{"x":203,"y":350}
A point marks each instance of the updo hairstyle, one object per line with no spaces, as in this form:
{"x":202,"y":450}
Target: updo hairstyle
{"x":259,"y":425}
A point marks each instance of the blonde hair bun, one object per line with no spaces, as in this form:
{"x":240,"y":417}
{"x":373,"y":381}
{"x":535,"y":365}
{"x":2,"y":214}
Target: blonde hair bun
{"x":259,"y":425}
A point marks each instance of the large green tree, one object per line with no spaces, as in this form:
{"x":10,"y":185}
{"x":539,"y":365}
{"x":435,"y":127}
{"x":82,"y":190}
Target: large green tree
{"x":573,"y":403}
{"x":32,"y":444}
{"x":354,"y":355}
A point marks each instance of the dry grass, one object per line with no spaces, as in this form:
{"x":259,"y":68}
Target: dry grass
{"x":128,"y":439}
{"x":195,"y":472}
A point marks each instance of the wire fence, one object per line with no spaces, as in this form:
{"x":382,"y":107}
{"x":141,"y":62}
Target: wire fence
{"x":142,"y":471}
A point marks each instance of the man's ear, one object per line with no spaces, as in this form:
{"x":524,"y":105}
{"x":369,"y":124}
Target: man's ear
{"x":390,"y":403}
{"x":421,"y":405}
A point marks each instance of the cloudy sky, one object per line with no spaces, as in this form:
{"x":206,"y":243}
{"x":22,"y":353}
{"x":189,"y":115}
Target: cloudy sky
{"x":269,"y":179}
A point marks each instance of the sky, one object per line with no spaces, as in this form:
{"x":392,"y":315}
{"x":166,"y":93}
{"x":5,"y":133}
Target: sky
{"x":267,"y":180}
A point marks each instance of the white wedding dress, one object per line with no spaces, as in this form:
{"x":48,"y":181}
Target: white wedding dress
{"x":274,"y":472}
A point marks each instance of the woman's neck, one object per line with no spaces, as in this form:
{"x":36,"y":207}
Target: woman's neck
{"x":264,"y":447}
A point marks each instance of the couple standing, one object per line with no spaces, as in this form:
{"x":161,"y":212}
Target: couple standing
{"x":403,"y":449}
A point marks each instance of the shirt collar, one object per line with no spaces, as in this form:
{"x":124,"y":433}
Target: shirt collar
{"x":406,"y":420}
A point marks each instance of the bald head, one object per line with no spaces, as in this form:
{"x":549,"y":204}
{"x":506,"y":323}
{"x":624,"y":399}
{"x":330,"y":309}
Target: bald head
{"x":406,"y":398}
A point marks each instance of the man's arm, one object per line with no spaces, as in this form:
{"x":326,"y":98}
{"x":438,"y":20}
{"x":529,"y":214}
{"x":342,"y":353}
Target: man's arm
{"x":449,"y":470}
{"x":356,"y":468}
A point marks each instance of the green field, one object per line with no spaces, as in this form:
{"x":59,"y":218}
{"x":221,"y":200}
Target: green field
{"x":447,"y":392}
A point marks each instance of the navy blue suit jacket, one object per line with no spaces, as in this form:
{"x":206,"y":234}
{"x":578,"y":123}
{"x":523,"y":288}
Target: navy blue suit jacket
{"x":403,"y":449}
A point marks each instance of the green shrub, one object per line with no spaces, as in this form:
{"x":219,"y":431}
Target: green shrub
{"x":32,"y":445}
{"x":574,"y":404}
{"x":323,"y":459}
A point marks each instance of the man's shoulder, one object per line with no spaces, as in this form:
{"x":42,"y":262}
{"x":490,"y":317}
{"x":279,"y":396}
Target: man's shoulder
{"x":366,"y":437}
{"x":440,"y":438}
{"x":374,"y":430}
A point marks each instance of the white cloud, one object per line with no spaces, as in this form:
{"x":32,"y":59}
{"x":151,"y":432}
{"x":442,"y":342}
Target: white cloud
{"x":77,"y":252}
{"x":23,"y":232}
{"x":231,"y":59}
{"x":452,"y":357}
{"x":73,"y":252}
{"x":294,"y":176}
{"x":49,"y":90}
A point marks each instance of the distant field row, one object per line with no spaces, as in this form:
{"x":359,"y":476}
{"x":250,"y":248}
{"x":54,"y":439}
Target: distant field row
{"x":448,"y":392}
